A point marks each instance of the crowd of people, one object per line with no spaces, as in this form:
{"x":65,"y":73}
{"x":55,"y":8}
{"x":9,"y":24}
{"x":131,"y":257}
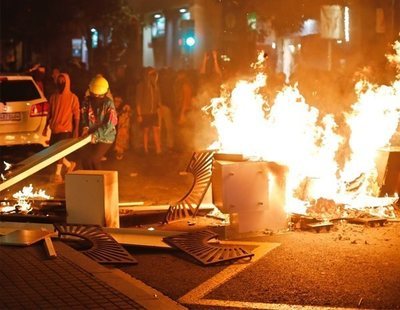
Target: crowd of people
{"x":154,"y":114}
{"x":157,"y":113}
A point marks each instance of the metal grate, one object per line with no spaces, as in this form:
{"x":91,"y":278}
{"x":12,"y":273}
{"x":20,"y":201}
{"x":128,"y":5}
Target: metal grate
{"x":104,"y":249}
{"x":196,"y":245}
{"x":200,"y":166}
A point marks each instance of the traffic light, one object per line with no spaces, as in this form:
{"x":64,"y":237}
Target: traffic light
{"x":187,"y":38}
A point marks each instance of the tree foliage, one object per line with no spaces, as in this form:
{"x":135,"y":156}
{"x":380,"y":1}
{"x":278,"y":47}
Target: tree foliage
{"x":44,"y":20}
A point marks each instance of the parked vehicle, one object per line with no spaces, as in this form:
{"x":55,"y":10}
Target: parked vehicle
{"x":23,"y":111}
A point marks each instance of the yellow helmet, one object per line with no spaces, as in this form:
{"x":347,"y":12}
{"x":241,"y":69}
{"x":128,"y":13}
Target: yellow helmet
{"x":98,"y":85}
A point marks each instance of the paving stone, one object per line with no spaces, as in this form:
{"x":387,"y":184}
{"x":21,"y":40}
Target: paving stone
{"x":28,"y":279}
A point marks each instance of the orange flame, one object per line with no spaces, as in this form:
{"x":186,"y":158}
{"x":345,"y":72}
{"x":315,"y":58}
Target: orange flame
{"x":294,"y":134}
{"x":23,"y":198}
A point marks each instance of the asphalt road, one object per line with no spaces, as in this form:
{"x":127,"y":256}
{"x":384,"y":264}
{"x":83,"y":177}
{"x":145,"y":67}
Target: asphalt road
{"x":351,"y":266}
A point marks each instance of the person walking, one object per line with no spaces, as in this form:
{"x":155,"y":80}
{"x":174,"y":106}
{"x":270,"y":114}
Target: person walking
{"x":98,"y":119}
{"x":63,"y":120}
{"x":147,"y":108}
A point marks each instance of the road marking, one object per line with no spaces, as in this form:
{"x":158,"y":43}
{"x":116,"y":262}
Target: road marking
{"x":195,"y":296}
{"x":260,"y":305}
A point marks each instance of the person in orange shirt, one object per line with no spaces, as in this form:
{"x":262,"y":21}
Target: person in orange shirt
{"x":63,"y":120}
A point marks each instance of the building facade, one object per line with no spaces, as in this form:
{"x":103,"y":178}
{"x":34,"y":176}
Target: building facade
{"x":361,"y":31}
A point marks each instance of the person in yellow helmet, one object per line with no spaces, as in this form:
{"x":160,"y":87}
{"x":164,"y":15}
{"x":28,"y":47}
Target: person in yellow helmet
{"x":98,"y":119}
{"x":97,"y":87}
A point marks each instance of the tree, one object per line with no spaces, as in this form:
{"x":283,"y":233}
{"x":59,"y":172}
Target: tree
{"x":40,"y":23}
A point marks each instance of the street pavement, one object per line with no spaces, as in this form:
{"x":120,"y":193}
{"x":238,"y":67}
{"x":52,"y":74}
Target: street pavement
{"x":30,"y":280}
{"x":351,"y":266}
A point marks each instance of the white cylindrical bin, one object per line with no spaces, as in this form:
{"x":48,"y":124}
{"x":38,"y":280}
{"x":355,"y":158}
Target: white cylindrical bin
{"x":92,"y":197}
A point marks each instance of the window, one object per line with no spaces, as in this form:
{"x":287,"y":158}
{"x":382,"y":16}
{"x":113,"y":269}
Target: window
{"x":158,"y":27}
{"x":18,"y":90}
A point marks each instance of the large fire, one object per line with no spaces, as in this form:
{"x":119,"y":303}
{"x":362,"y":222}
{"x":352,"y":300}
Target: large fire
{"x":292,"y":133}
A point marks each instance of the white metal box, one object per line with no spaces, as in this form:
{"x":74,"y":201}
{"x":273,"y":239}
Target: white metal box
{"x":92,"y":197}
{"x":252,"y":192}
{"x":388,"y":168}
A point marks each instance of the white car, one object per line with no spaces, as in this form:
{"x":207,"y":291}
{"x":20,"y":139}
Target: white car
{"x":23,"y":112}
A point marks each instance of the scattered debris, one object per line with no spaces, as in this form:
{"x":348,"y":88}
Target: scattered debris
{"x":23,"y":237}
{"x":369,"y":221}
{"x":196,"y":244}
{"x":321,"y":225}
{"x":103,"y":248}
{"x":325,"y":214}
{"x":355,"y":184}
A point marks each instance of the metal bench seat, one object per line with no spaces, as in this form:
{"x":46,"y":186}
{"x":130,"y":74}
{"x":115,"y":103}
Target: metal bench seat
{"x":200,"y":166}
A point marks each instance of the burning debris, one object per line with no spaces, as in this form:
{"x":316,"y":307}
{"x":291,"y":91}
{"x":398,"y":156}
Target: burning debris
{"x":23,"y":201}
{"x":7,"y":166}
{"x":4,"y":170}
{"x":331,"y":175}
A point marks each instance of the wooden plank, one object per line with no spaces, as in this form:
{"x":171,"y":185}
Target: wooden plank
{"x":49,"y":247}
{"x":42,"y":159}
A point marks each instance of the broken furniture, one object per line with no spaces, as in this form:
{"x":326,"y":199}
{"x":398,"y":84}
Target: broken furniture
{"x":125,"y":236}
{"x":200,"y":166}
{"x":197,"y":245}
{"x":23,"y":237}
{"x":92,"y":197}
{"x":149,"y":238}
{"x":27,"y":237}
{"x":104,"y":244}
{"x":101,"y":247}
